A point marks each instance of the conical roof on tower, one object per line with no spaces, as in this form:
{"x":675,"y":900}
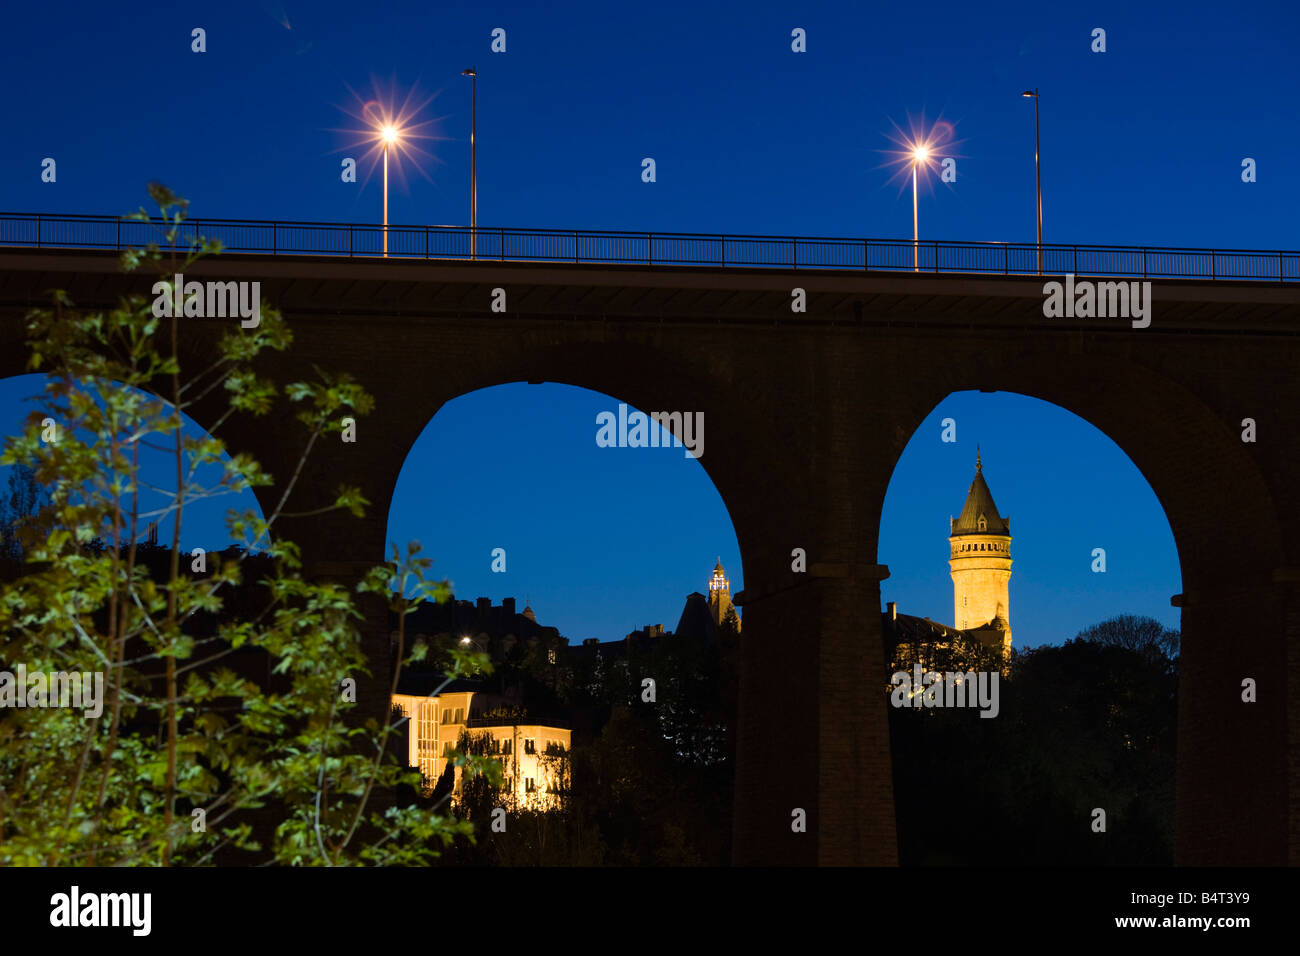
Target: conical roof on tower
{"x":979,"y":502}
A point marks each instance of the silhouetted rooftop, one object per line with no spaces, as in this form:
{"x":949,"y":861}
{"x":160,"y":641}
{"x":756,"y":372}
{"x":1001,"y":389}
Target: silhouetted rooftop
{"x":696,"y":621}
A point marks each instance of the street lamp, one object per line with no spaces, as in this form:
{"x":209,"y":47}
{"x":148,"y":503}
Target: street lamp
{"x":389,"y":134}
{"x":1038,"y":177}
{"x":919,"y":155}
{"x":473,"y":162}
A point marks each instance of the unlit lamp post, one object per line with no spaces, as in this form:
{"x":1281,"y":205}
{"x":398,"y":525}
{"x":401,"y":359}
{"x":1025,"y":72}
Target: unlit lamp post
{"x":1038,"y":177}
{"x":473,"y":162}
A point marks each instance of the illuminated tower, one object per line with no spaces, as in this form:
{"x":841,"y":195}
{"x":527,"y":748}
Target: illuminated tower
{"x":980,"y":558}
{"x":719,"y":594}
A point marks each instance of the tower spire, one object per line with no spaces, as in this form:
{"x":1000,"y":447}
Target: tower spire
{"x":719,"y":593}
{"x":979,"y":465}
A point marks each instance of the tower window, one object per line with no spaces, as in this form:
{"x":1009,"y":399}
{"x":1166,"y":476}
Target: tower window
{"x":983,"y":525}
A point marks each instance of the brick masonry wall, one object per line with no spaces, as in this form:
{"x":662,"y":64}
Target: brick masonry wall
{"x":806,"y":417}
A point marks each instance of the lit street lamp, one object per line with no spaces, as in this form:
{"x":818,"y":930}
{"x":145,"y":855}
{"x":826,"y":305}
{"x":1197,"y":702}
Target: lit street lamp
{"x":389,"y":134}
{"x":1038,"y":178}
{"x":919,"y":155}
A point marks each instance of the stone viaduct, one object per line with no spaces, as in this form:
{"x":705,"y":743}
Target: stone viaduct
{"x":807,"y":415}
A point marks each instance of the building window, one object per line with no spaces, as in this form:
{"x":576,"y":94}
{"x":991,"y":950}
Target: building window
{"x":550,"y":656}
{"x":507,"y":747}
{"x":529,"y":785}
{"x":530,"y":745}
{"x":446,"y":716}
{"x":460,"y":715}
{"x":983,"y":525}
{"x":425,"y":729}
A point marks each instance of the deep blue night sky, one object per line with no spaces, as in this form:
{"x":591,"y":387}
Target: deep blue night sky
{"x":1142,"y":144}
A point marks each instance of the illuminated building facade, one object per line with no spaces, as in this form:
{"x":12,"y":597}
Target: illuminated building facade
{"x":530,"y":754}
{"x":979,"y":559}
{"x":980,"y":562}
{"x":720,"y":597}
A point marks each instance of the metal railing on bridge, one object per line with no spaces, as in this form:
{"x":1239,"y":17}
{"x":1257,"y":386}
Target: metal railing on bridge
{"x":656,"y":248}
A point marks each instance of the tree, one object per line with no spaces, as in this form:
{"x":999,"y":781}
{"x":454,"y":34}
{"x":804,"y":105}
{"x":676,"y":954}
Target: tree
{"x":1145,"y":635}
{"x":182,"y":759}
{"x":21,"y":504}
{"x":1080,"y":726}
